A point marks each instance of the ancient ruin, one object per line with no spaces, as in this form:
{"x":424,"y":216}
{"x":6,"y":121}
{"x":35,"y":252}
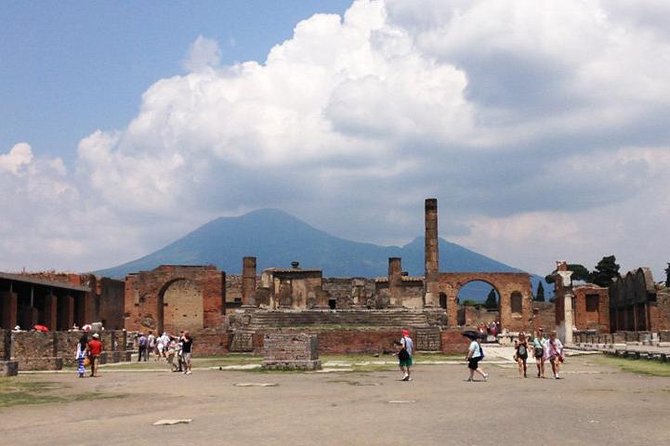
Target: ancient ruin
{"x":357,"y":314}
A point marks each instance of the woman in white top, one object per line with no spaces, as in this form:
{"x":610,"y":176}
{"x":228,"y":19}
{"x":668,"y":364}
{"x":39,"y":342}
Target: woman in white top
{"x":554,"y":352}
{"x":475,"y":354}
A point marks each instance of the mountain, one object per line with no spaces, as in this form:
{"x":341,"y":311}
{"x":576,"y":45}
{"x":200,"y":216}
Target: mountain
{"x":276,"y":239}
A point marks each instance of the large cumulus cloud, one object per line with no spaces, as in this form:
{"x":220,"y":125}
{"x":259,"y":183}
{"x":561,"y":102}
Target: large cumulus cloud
{"x":537,"y":124}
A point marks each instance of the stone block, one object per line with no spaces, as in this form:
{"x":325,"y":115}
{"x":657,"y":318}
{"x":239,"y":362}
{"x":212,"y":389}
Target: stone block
{"x":9,"y":368}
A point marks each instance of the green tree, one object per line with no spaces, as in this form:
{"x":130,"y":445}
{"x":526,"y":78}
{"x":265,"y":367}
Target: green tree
{"x":667,"y":275}
{"x":606,"y":271}
{"x":579,"y":272}
{"x":539,"y":295}
{"x":491,"y":300}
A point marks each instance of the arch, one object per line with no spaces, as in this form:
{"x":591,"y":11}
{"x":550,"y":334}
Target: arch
{"x":504,"y":283}
{"x":180,"y":306}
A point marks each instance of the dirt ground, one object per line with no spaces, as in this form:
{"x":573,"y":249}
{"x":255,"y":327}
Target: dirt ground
{"x":592,"y":405}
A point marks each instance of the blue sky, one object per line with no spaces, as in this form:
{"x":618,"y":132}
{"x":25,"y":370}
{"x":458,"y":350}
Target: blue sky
{"x":539,"y":126}
{"x":69,"y":68}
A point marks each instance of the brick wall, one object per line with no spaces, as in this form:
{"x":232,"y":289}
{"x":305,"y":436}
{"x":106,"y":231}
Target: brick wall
{"x":144,"y":297}
{"x":660,"y":318}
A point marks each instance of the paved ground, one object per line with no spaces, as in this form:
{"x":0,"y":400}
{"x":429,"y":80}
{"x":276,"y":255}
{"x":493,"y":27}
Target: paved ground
{"x":593,"y":405}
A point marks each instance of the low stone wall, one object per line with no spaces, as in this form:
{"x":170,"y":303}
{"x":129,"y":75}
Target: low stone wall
{"x":291,"y":351}
{"x":368,"y":341}
{"x":34,"y":350}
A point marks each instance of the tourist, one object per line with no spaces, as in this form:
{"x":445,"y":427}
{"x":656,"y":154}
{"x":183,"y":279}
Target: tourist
{"x":475,"y":354}
{"x":160,"y":348}
{"x":554,"y":352}
{"x":521,"y":354}
{"x":172,"y":357}
{"x":165,"y":340}
{"x":80,"y":355}
{"x":142,"y":347}
{"x":94,"y":352}
{"x":151,"y":344}
{"x":406,"y":362}
{"x":538,"y":351}
{"x":186,"y":349}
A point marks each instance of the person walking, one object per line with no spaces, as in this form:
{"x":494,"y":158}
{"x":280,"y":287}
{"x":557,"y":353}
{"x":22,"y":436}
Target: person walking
{"x":538,"y":351}
{"x":142,"y":347}
{"x":405,"y":362}
{"x":554,"y":352}
{"x":475,"y":354}
{"x":80,"y":355}
{"x":186,"y":349}
{"x":521,"y":354}
{"x":94,"y":352}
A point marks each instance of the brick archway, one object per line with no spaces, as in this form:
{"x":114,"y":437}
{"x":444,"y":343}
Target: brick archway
{"x":146,"y":297}
{"x":506,"y":284}
{"x":180,"y":306}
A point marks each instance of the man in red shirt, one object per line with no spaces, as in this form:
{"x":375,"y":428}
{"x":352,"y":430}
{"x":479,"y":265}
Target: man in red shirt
{"x":94,"y":351}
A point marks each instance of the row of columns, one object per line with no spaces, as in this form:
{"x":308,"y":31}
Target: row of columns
{"x":56,"y":312}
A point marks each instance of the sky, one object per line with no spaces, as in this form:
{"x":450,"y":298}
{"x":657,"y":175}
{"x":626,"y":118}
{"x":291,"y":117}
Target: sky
{"x":540,"y":126}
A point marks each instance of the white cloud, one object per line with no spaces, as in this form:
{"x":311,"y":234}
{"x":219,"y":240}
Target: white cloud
{"x":539,"y":125}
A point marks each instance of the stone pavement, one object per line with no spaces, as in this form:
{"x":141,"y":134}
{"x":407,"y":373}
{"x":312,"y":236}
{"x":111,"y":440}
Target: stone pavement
{"x":595,"y":404}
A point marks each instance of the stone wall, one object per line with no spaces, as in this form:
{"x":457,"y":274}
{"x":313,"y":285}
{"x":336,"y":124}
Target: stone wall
{"x":290,"y":351}
{"x":544,"y":315}
{"x":471,"y":316}
{"x":145,"y":298}
{"x":35,"y":350}
{"x":660,"y":313}
{"x":588,"y":317}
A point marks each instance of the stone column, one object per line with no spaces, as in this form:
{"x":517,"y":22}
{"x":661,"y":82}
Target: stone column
{"x":65,"y":312}
{"x":568,"y":316}
{"x":86,"y":309}
{"x":432,"y":257}
{"x":9,"y":304}
{"x":249,"y":281}
{"x":395,"y":281}
{"x":51,"y":311}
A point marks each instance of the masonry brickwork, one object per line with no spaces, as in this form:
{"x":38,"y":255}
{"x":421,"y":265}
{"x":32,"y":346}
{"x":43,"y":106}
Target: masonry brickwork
{"x":173,"y":298}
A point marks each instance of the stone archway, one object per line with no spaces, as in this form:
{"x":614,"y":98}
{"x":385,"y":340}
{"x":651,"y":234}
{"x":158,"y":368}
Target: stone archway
{"x":472,"y":297}
{"x":506,"y":284}
{"x":180,"y":306}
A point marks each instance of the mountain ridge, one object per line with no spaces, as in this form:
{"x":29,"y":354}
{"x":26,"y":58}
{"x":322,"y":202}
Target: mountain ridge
{"x":277,"y":238}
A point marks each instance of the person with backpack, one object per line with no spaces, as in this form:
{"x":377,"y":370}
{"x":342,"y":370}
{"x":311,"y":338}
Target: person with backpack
{"x":521,"y":354}
{"x":475,"y":354}
{"x":405,"y":355}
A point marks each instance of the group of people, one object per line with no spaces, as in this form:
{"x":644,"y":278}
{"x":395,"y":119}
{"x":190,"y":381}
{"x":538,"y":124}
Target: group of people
{"x":543,"y":349}
{"x":88,"y":354}
{"x":176,"y":350}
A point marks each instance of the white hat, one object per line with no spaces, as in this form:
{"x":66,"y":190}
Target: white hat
{"x":96,"y":335}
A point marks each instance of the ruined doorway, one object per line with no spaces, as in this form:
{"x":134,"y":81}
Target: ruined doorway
{"x":478,"y":303}
{"x":180,"y":307}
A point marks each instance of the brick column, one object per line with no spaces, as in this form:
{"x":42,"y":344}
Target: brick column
{"x":51,"y":311}
{"x":249,"y":281}
{"x":65,"y":313}
{"x":432,"y":256}
{"x":395,"y":281}
{"x":85,"y":313}
{"x":8,"y":306}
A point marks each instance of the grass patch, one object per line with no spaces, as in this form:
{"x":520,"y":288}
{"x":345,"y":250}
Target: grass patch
{"x":14,"y":392}
{"x":638,"y":366}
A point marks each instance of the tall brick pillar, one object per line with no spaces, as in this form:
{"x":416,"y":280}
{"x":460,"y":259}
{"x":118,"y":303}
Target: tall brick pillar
{"x":85,"y":309}
{"x":432,"y":256}
{"x":395,"y":281}
{"x":65,"y":313}
{"x":249,"y":281}
{"x":50,"y":316}
{"x":8,"y":306}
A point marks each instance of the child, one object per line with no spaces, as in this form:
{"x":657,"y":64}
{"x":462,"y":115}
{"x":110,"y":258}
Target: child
{"x":403,"y":359}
